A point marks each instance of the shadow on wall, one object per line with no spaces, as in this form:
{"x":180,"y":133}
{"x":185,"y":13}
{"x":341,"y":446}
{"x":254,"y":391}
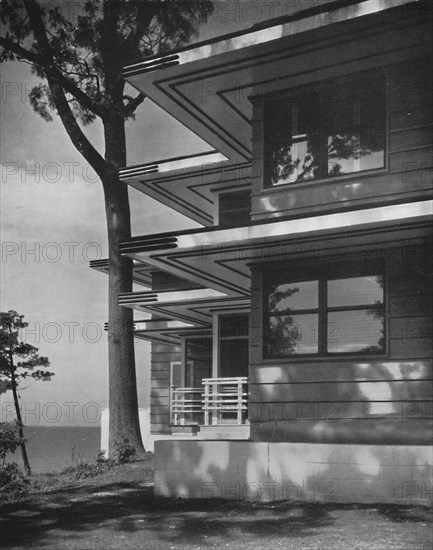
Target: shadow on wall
{"x":294,"y":472}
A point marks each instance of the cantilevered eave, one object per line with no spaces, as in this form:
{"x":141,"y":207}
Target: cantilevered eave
{"x":220,"y":259}
{"x":195,"y":312}
{"x":207,"y":86}
{"x":273,"y":29}
{"x":188,"y":184}
{"x":141,"y":275}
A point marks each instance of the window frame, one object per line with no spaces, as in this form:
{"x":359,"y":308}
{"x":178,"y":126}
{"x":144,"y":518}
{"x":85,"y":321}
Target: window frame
{"x":323,"y":274}
{"x":293,"y":95}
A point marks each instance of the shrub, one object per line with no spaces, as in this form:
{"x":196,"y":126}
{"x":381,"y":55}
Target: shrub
{"x":10,"y":440}
{"x":13,"y":483}
{"x":125,"y":452}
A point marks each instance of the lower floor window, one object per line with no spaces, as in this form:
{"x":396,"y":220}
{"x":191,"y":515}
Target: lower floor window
{"x":337,"y":311}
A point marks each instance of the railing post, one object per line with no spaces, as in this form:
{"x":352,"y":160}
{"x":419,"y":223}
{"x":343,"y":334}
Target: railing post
{"x":239,"y":403}
{"x":206,"y":403}
{"x":173,"y":406}
{"x":215,"y":404}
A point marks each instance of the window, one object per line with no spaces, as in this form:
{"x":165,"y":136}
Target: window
{"x":198,"y":361}
{"x":337,"y":312}
{"x":234,"y":209}
{"x":233,"y":345}
{"x":325,"y":131}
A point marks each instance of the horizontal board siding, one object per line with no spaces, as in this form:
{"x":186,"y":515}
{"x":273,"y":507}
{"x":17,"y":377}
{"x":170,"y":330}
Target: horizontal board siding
{"x":165,"y":358}
{"x":414,"y":165}
{"x":157,"y":428}
{"x":160,"y":418}
{"x":160,"y":409}
{"x":164,"y":348}
{"x":406,"y":328}
{"x":410,"y":118}
{"x":409,"y":390}
{"x":162,"y":355}
{"x":411,"y":348}
{"x":160,"y":374}
{"x":359,"y":400}
{"x":159,"y":393}
{"x":158,"y":383}
{"x":408,"y":306}
{"x":159,"y":401}
{"x":371,"y":431}
{"x":408,"y":139}
{"x":292,"y":372}
{"x":334,"y":412}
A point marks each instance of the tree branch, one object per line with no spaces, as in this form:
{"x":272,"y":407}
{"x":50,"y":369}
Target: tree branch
{"x":44,"y":64}
{"x":57,"y":92}
{"x":133,"y":104}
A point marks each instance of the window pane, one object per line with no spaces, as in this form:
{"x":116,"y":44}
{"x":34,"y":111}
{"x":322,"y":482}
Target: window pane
{"x":294,"y":296}
{"x":294,"y":162}
{"x":355,"y":291}
{"x":293,"y":335}
{"x":356,"y":331}
{"x":356,"y":121}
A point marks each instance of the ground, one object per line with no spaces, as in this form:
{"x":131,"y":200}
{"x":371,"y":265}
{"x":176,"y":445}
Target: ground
{"x":117,"y":510}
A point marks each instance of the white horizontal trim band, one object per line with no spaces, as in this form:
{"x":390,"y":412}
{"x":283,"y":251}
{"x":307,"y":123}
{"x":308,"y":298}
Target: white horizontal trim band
{"x":291,"y":228}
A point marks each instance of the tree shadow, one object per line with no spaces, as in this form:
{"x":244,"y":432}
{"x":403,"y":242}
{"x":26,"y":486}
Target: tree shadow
{"x":125,"y":508}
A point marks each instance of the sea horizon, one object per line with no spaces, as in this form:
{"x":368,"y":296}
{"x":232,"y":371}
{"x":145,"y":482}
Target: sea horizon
{"x":52,"y":448}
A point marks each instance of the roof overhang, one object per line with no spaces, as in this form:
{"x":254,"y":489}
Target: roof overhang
{"x":188,"y":184}
{"x":208,"y":86}
{"x":189,"y":307}
{"x":220,"y":258}
{"x":141,"y":275}
{"x":166,"y":331}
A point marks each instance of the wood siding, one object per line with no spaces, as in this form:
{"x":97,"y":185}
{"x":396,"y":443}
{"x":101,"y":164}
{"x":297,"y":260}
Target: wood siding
{"x":407,"y":174}
{"x":162,"y":356}
{"x":385,"y":399}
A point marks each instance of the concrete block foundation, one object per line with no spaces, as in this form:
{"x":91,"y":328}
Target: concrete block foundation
{"x":299,"y":472}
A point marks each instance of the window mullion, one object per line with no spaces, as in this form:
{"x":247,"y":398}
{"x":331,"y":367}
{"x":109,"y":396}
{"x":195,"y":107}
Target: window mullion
{"x":323,"y":330}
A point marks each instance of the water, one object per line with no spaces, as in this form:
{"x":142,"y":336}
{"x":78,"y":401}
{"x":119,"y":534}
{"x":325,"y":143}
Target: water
{"x":52,"y":448}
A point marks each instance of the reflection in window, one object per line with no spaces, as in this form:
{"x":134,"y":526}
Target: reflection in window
{"x":326,"y":131}
{"x":326,"y":316}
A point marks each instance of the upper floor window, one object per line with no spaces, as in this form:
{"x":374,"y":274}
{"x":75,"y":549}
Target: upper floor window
{"x":339,"y":311}
{"x":325,"y":131}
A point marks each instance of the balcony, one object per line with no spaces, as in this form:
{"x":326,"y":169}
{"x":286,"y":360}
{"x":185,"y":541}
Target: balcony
{"x":217,"y":409}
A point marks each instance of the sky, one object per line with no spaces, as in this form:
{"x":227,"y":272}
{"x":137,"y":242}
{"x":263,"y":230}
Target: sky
{"x":53,"y":224}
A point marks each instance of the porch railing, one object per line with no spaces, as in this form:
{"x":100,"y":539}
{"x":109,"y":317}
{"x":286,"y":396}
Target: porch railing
{"x":225,"y":401}
{"x":186,"y":406}
{"x":219,"y":401}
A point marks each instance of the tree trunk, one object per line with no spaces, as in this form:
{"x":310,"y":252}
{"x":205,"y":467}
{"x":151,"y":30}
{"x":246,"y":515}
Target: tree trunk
{"x":123,"y":402}
{"x":26,"y":462}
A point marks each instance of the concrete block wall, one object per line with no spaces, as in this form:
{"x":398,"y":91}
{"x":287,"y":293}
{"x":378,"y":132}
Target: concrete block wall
{"x":256,"y":471}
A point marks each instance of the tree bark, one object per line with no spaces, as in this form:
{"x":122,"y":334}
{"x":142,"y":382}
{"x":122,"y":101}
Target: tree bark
{"x":124,"y":423}
{"x":26,"y":462}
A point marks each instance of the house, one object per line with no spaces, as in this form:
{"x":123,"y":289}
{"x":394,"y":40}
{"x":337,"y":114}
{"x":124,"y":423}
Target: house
{"x":292,"y":333}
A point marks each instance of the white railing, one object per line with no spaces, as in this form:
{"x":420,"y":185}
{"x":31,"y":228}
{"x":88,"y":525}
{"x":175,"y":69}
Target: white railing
{"x":186,"y":406}
{"x":225,"y":401}
{"x":219,"y":401}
